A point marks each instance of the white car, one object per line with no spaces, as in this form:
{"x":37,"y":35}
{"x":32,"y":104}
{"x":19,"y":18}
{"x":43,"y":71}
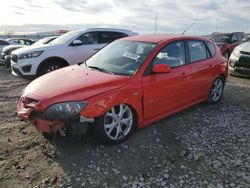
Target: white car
{"x":71,"y":48}
{"x":4,"y":43}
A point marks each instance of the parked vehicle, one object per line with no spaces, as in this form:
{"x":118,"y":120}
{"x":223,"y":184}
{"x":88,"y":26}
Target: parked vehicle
{"x":22,"y":41}
{"x":246,"y":38}
{"x":71,"y":48}
{"x":227,"y":42}
{"x":128,"y":84}
{"x":239,"y":62}
{"x":4,"y":43}
{"x":5,"y":56}
{"x":6,"y":52}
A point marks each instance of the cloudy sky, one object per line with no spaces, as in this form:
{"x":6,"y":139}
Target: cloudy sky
{"x":137,"y":15}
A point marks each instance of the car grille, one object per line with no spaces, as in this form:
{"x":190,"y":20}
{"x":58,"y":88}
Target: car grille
{"x":246,"y":53}
{"x":244,"y":59}
{"x":14,"y":57}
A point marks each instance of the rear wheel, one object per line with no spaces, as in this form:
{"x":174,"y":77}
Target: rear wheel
{"x":116,"y":125}
{"x":50,"y":66}
{"x":216,"y":90}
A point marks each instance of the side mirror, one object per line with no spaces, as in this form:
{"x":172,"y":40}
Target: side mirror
{"x":245,"y":39}
{"x":76,"y":43}
{"x":161,"y":68}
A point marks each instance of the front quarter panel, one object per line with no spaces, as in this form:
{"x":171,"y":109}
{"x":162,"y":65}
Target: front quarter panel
{"x":131,"y":94}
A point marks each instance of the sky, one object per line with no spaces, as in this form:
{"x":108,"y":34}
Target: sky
{"x":206,"y":16}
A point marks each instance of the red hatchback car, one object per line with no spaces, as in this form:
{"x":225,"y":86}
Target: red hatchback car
{"x":129,"y":84}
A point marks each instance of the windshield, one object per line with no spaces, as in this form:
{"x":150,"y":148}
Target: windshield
{"x":222,"y":38}
{"x":121,"y":57}
{"x":45,"y":40}
{"x":65,"y":38}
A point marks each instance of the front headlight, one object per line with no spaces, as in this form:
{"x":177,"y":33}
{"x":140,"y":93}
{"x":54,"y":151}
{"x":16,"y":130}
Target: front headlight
{"x":64,"y":111}
{"x":30,"y":55}
{"x":236,"y":52}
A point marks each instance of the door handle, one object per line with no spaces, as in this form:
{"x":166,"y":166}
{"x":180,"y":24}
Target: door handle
{"x":97,"y":49}
{"x":211,"y":66}
{"x":183,"y":73}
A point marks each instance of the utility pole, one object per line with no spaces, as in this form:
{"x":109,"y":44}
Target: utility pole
{"x":156,"y":19}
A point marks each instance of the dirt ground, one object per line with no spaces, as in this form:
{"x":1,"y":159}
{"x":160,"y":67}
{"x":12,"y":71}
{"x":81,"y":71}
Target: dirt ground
{"x":204,"y":146}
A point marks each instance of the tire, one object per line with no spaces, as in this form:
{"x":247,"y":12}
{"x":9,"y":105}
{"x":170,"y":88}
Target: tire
{"x":115,"y":126}
{"x":226,"y":55}
{"x":50,"y":66}
{"x":216,"y":90}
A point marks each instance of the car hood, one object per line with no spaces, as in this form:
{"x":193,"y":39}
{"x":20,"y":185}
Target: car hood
{"x":73,"y":83}
{"x":42,"y":47}
{"x":244,"y":47}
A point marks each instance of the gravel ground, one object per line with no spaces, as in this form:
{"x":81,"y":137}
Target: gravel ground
{"x":204,"y":146}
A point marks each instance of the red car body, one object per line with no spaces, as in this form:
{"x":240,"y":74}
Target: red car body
{"x":152,"y":96}
{"x":230,"y":41}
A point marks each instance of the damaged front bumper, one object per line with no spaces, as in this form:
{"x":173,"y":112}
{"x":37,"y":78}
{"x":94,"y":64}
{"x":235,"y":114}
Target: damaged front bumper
{"x":26,"y":113}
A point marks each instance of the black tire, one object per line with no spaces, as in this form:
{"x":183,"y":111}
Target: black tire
{"x":216,"y":90}
{"x":99,"y":132}
{"x":50,"y":66}
{"x":226,"y":55}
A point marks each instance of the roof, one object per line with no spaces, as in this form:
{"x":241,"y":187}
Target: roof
{"x":128,"y":32}
{"x":158,"y":38}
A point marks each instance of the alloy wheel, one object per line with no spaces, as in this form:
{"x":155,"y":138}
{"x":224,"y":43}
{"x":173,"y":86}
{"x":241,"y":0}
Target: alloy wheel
{"x":118,"y":122}
{"x":217,"y":90}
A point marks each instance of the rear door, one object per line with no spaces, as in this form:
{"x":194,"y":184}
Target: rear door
{"x":165,"y":93}
{"x":201,"y":69}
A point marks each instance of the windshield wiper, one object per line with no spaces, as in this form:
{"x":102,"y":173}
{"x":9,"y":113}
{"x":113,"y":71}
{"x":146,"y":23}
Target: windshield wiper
{"x":100,"y":69}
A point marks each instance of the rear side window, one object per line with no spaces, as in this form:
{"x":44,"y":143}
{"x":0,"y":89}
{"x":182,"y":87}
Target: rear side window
{"x":240,"y":37}
{"x":108,"y":37}
{"x":197,"y":51}
{"x":2,"y":42}
{"x":211,"y":48}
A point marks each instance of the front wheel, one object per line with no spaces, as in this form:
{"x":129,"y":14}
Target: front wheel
{"x":216,"y":90}
{"x":50,"y":66}
{"x":116,"y":125}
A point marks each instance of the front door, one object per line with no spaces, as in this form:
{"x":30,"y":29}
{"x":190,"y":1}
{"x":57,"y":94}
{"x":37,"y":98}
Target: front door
{"x":165,"y":93}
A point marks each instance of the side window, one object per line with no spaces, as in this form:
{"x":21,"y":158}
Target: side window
{"x":240,"y":37}
{"x":173,"y":54}
{"x":89,"y":38}
{"x":234,"y":38}
{"x":108,"y":37}
{"x":197,"y":51}
{"x":2,"y":42}
{"x":211,"y":48}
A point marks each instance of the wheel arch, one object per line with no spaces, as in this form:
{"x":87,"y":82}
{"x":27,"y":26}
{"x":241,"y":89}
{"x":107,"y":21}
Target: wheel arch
{"x":54,"y":58}
{"x":99,"y":105}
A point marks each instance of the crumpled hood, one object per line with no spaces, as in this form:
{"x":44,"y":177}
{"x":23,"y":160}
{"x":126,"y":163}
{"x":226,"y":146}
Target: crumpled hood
{"x":31,"y":48}
{"x":244,"y":47}
{"x":73,"y":83}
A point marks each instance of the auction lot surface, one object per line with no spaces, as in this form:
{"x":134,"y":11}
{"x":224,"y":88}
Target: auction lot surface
{"x":204,"y":146}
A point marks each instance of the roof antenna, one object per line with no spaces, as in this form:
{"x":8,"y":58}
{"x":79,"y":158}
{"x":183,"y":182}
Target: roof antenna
{"x":187,"y":28}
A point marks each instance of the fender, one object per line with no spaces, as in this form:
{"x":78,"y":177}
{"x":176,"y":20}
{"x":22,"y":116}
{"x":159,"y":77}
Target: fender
{"x":100,"y":104}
